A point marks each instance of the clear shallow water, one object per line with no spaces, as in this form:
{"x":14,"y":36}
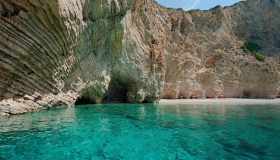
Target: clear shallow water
{"x":143,"y":132}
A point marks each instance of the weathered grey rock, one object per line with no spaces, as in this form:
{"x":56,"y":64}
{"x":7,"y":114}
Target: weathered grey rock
{"x":56,"y":52}
{"x":205,"y":59}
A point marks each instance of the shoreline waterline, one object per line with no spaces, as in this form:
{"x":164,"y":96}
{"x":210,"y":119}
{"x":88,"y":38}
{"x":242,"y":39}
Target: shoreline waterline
{"x":228,"y":101}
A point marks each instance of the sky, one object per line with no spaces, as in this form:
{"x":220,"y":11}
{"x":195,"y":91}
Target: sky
{"x":196,"y":4}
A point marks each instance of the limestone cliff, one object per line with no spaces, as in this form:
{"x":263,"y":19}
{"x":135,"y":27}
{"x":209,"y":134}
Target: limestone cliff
{"x":59,"y":52}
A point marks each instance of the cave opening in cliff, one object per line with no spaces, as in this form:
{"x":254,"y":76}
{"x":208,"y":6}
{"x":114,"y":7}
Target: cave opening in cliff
{"x":118,"y":91}
{"x":85,"y":100}
{"x":247,"y":94}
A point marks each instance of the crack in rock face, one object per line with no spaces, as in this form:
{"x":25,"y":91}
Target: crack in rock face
{"x":59,"y":52}
{"x":9,"y":9}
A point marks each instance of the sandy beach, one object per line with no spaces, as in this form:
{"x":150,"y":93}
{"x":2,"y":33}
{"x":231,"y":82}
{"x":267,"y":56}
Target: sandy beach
{"x":236,"y":101}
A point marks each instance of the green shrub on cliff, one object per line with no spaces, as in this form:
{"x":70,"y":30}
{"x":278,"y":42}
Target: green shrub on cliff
{"x":259,"y":56}
{"x":253,"y":48}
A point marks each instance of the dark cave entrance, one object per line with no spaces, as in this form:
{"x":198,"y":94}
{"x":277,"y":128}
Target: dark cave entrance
{"x":85,"y":100}
{"x":118,"y":91}
{"x":247,"y":94}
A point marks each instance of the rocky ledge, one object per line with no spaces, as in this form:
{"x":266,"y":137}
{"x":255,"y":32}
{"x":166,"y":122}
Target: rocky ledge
{"x":61,"y":52}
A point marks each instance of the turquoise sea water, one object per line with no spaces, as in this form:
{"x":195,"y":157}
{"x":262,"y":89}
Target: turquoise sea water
{"x":143,"y":132}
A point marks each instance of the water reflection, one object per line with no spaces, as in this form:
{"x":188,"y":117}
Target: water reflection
{"x":38,"y":121}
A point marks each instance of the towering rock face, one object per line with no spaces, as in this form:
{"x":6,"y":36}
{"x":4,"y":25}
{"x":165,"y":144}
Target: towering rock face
{"x":61,"y":51}
{"x":205,"y":55}
{"x":91,"y":51}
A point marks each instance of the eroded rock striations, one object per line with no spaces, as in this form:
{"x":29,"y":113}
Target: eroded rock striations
{"x":59,"y":52}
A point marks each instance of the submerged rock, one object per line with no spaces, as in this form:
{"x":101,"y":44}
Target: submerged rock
{"x":59,"y":51}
